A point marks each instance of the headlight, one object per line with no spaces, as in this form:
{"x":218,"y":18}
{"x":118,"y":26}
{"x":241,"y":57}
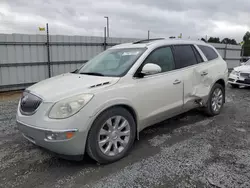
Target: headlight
{"x":70,"y":106}
{"x":234,"y":72}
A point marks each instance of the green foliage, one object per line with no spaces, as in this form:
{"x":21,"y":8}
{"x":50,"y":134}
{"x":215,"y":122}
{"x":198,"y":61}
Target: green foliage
{"x":246,"y":36}
{"x":246,"y":47}
{"x":214,"y":40}
{"x":217,"y":40}
{"x":203,"y":39}
{"x":229,"y":41}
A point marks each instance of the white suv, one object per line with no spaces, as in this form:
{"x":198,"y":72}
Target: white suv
{"x":101,"y":107}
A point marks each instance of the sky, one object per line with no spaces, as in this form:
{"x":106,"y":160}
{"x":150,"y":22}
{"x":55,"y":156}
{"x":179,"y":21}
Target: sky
{"x":128,"y":18}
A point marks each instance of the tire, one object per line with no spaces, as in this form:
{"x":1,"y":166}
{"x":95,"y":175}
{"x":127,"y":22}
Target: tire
{"x":234,"y":85}
{"x":95,"y":151}
{"x":209,"y":110}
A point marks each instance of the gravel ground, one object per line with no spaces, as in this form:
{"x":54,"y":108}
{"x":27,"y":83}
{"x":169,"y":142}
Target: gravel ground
{"x":190,"y":150}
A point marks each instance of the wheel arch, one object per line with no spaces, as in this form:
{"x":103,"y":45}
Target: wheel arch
{"x":126,"y":106}
{"x":221,"y":82}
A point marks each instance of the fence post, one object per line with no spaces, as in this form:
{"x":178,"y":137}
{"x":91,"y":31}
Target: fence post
{"x":225,"y":53}
{"x":105,"y":39}
{"x":48,"y":49}
{"x":242,"y":54}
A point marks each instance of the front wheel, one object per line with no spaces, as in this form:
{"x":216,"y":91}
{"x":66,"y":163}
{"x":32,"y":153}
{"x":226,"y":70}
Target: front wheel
{"x":216,"y":100}
{"x":111,"y":135}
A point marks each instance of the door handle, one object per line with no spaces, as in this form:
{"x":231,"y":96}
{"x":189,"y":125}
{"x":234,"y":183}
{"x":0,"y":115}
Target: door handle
{"x":204,"y":73}
{"x":177,"y":82}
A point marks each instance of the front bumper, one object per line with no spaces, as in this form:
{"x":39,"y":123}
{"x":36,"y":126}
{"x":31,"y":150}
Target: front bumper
{"x":238,"y":80}
{"x":71,"y":147}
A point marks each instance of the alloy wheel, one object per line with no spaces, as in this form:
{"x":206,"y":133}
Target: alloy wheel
{"x":114,"y":136}
{"x":217,"y":99}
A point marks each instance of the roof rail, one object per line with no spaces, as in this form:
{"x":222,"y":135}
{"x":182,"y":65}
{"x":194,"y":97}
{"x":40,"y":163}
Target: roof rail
{"x":147,"y":40}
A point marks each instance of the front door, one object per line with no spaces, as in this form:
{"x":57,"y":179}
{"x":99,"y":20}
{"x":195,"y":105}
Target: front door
{"x":161,"y":95}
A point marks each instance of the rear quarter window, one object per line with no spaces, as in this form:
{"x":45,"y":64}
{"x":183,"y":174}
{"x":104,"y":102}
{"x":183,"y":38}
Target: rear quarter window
{"x":208,"y":52}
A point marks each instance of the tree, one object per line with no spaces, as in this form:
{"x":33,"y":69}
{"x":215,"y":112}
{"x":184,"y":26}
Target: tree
{"x":246,"y":36}
{"x":233,"y":41}
{"x":246,"y":46}
{"x":229,"y":41}
{"x":204,"y":40}
{"x":214,"y":40}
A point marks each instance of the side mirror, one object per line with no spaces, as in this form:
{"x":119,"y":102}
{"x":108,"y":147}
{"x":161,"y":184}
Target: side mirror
{"x":150,"y":68}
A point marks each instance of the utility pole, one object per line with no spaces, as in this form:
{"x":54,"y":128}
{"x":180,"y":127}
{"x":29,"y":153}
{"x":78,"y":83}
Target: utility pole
{"x":107,"y":25}
{"x":48,"y":49}
{"x":148,"y":34}
{"x":105,"y":39}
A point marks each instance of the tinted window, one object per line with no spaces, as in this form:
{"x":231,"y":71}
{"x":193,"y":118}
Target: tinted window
{"x":184,"y":56}
{"x":208,"y":52}
{"x":197,"y":55}
{"x":162,"y":57}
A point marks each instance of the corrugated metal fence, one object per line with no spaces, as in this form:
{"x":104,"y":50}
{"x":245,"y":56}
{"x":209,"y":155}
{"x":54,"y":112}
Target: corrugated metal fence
{"x":230,"y":53}
{"x":24,"y":59}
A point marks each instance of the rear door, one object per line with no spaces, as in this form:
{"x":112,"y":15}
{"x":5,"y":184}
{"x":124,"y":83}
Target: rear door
{"x":188,"y":62}
{"x":208,"y":71}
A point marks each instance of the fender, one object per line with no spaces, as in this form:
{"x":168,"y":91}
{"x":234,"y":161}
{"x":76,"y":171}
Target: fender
{"x":117,"y":102}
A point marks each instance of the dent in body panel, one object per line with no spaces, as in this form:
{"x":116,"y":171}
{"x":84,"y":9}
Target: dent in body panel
{"x":196,"y":87}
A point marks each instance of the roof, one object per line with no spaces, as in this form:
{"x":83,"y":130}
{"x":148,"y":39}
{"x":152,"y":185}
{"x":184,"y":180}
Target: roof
{"x":158,"y":42}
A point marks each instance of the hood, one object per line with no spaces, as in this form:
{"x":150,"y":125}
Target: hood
{"x":243,"y":68}
{"x":69,"y":84}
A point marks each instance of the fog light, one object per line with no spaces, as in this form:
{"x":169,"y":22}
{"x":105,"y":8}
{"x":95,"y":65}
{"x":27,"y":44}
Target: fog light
{"x":60,"y":135}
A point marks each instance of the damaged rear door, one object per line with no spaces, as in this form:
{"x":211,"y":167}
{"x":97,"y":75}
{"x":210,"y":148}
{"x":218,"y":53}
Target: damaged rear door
{"x":206,"y":72}
{"x":193,"y":70}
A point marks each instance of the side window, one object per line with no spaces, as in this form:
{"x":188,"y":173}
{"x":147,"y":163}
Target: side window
{"x":208,"y":52}
{"x":162,"y":57}
{"x":197,"y":55}
{"x":184,"y":56}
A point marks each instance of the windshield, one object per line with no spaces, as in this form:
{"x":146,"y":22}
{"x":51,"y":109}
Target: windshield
{"x":247,"y":62}
{"x":113,"y":62}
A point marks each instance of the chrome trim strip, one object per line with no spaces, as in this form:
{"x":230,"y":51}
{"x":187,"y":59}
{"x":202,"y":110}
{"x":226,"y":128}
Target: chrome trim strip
{"x":34,"y":93}
{"x":47,"y":130}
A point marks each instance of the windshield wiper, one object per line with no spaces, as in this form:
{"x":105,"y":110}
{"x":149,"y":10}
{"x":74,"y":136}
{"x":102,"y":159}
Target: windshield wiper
{"x":92,"y":73}
{"x":74,"y":71}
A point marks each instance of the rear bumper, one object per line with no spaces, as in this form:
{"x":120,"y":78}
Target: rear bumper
{"x":71,"y":147}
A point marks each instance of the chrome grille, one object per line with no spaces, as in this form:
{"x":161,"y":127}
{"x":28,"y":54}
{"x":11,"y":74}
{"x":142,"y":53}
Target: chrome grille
{"x":245,"y":75}
{"x":29,"y":103}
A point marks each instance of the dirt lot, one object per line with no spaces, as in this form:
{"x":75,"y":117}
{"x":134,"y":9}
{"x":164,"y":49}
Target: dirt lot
{"x":188,"y":151}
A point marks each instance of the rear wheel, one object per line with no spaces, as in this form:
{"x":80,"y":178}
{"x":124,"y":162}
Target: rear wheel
{"x":216,"y":100}
{"x":234,"y":85}
{"x":111,"y":135}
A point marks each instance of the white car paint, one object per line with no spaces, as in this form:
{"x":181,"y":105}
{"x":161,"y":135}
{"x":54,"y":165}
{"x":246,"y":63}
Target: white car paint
{"x":57,"y":88}
{"x":239,"y":75}
{"x":152,"y":98}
